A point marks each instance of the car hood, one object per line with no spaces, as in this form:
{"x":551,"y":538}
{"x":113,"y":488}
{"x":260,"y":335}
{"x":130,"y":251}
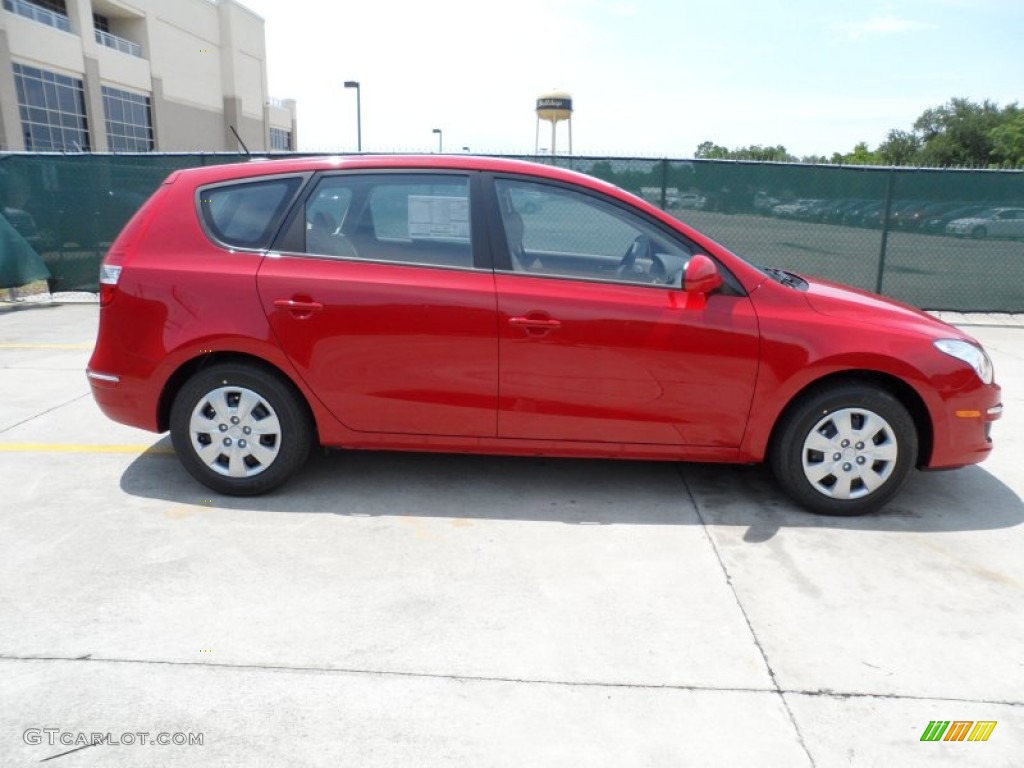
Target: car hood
{"x":858,"y":306}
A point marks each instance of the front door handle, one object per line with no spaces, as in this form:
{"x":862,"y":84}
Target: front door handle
{"x":299,"y":308}
{"x":535,"y":324}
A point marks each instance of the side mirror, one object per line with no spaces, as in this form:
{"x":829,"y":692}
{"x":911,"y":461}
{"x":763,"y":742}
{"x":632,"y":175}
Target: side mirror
{"x":701,"y":275}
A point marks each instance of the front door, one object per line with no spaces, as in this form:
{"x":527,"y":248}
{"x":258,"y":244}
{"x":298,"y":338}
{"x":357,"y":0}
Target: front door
{"x":596,"y":340}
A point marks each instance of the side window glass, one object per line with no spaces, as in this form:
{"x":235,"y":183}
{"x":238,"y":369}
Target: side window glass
{"x":413,"y":219}
{"x":558,"y":232}
{"x":326,"y":212}
{"x":246,"y":215}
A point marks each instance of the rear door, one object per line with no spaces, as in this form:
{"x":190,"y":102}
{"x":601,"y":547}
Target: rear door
{"x":383,"y":298}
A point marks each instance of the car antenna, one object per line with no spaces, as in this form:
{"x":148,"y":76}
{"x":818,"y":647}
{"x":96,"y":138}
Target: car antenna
{"x":247,"y":152}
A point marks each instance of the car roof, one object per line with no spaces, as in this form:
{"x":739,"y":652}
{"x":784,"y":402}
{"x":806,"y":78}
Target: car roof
{"x":268,"y":167}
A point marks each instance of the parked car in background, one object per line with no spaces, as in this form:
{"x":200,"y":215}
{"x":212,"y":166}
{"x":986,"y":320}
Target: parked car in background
{"x":686,"y":200}
{"x":833,"y":212}
{"x":936,"y":225}
{"x":795,"y":209}
{"x":407,"y":303}
{"x":856,"y":215}
{"x":916,"y":218}
{"x":994,"y":222}
{"x":904,"y":212}
{"x":873,"y":217}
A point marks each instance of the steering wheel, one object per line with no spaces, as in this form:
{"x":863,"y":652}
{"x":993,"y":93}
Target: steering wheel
{"x":640,"y":248}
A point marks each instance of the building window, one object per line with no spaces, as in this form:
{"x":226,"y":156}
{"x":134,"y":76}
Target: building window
{"x":56,"y":6}
{"x":53,"y":13}
{"x":101,"y":29}
{"x":129,"y":121}
{"x":52,"y":111}
{"x":280,"y":140}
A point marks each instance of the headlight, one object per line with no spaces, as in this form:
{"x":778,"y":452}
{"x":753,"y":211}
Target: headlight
{"x":973,"y":355}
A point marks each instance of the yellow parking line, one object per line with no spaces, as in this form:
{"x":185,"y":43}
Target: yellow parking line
{"x":15,"y":345}
{"x":80,"y":448}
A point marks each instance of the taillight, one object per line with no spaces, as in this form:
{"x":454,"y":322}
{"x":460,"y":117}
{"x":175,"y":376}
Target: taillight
{"x":110,"y":274}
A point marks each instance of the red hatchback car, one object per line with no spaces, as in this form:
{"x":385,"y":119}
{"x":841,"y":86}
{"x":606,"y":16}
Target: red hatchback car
{"x":483,"y":305}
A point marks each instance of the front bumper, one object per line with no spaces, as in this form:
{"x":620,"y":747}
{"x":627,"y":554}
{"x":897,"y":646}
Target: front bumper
{"x":963,"y":434}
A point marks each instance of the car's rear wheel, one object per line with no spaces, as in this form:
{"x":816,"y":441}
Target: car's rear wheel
{"x":979,"y":233}
{"x":845,"y":449}
{"x":239,"y":429}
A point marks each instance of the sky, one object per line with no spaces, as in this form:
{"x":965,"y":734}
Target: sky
{"x":649,"y":78}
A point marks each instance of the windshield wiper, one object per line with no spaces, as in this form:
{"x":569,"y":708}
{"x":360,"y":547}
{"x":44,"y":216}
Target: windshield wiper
{"x":786,"y":278}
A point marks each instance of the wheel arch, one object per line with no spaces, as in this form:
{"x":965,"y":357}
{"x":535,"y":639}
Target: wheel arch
{"x":190,"y":367}
{"x":898,"y":388}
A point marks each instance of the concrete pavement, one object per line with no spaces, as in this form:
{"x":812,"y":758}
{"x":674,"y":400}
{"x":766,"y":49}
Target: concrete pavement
{"x":403,"y":609}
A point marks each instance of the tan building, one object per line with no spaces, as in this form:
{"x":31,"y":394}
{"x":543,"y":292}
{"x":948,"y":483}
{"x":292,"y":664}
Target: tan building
{"x":135,"y":76}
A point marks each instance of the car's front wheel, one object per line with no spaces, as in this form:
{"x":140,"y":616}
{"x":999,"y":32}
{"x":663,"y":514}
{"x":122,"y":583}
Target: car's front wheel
{"x":845,"y":449}
{"x":979,"y":233}
{"x":239,"y":429}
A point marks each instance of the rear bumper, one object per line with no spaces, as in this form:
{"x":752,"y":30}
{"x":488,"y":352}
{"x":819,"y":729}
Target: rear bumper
{"x":124,"y":400}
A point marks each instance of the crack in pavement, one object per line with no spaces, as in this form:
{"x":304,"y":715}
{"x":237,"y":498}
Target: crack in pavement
{"x":327,"y":670}
{"x":43,"y":413}
{"x":777,"y":689}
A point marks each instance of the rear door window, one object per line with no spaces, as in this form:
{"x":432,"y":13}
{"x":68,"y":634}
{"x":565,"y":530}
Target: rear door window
{"x":421,"y":219}
{"x":247,"y":214}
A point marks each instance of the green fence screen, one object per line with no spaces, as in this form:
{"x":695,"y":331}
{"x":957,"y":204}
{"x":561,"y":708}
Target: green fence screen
{"x":938,"y":239}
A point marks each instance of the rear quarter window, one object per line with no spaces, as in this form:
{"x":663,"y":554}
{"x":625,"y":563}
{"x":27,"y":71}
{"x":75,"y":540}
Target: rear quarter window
{"x":246,"y":214}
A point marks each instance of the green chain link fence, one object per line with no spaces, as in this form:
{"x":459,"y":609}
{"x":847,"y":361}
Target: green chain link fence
{"x":881,"y":229}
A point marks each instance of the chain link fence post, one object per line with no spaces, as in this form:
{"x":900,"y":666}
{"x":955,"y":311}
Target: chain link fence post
{"x":883,"y":246}
{"x":664,"y":183}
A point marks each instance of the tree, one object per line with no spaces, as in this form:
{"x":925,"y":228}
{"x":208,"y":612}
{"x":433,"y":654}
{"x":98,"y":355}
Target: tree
{"x":1008,"y":141}
{"x":861,"y":155}
{"x":708,"y":150}
{"x":900,"y":148}
{"x":959,"y":133}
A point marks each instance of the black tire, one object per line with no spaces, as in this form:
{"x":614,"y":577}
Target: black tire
{"x":979,"y":233}
{"x":853,"y":476}
{"x":278,"y":437}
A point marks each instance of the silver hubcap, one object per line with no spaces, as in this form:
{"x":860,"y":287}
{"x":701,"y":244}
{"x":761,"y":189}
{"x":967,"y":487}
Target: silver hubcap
{"x":849,"y":454}
{"x":235,"y":432}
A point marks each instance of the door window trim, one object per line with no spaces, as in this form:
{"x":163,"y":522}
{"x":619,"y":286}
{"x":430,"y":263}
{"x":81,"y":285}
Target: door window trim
{"x":273,"y":231}
{"x":500,"y":248}
{"x":291,"y":239}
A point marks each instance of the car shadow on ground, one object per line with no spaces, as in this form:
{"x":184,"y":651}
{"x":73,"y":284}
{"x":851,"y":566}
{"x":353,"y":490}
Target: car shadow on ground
{"x":578,"y":491}
{"x":968,"y":499}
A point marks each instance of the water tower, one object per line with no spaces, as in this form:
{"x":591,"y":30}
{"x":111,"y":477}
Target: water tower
{"x":554,"y":107}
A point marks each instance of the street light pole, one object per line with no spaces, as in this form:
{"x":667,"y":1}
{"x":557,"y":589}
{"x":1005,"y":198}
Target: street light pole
{"x":440,"y":140}
{"x":359,"y":113}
